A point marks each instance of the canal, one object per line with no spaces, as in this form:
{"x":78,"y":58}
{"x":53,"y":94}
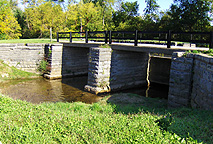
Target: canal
{"x":68,"y":90}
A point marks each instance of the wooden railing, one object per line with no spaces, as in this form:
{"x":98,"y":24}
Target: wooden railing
{"x":136,"y":36}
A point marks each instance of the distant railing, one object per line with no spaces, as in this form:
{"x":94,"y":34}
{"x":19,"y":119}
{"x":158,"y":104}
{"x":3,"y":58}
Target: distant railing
{"x":137,"y":36}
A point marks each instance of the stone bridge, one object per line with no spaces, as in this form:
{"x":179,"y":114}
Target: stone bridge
{"x":118,"y":67}
{"x":123,"y":66}
{"x":126,"y":66}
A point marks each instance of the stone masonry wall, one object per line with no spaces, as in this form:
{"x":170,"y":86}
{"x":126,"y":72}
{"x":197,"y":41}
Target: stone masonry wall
{"x":75,"y":61}
{"x":99,"y":70}
{"x":22,"y":56}
{"x":55,"y":60}
{"x":67,"y":61}
{"x":128,"y":69}
{"x":180,"y":80}
{"x":113,"y":69}
{"x":191,"y":81}
{"x":202,"y":90}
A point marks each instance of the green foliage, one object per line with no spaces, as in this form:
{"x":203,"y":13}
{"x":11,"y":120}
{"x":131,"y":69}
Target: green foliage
{"x":104,"y":46}
{"x":126,"y":18}
{"x":43,"y":66}
{"x":209,"y":52}
{"x":43,"y":17}
{"x":187,"y":15}
{"x":165,"y":122}
{"x":9,"y":27}
{"x":23,"y":122}
{"x":151,"y":7}
{"x":39,"y":17}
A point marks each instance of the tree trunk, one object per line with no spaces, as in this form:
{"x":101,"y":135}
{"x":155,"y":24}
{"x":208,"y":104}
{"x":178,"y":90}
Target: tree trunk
{"x":50,"y":34}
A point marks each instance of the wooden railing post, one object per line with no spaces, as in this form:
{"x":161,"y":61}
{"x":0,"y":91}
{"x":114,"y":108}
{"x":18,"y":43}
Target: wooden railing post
{"x":71,"y":37}
{"x":191,"y":40}
{"x":57,"y":37}
{"x":211,"y":40}
{"x":86,"y":36}
{"x":169,"y":39}
{"x":110,"y":37}
{"x":136,"y":37}
{"x":106,"y":33}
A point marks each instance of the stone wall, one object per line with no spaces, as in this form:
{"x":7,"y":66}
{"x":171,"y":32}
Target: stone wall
{"x":54,"y":54}
{"x":75,"y":61}
{"x":191,"y":81}
{"x":202,"y":90}
{"x":22,"y":56}
{"x":128,"y":69}
{"x":113,"y":69}
{"x":99,"y":70}
{"x":67,"y":61}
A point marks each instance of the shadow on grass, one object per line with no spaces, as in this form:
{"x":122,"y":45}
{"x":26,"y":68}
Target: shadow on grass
{"x":187,"y":123}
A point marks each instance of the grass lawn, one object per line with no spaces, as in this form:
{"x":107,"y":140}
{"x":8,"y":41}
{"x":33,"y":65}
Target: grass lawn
{"x":35,"y":40}
{"x":102,"y":122}
{"x":28,"y":41}
{"x":7,"y":72}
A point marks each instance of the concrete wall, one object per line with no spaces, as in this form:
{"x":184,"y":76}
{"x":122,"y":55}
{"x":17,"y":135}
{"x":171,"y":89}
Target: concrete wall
{"x":191,"y":81}
{"x":22,"y":56}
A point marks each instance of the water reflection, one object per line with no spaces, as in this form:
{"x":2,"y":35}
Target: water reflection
{"x":67,"y":90}
{"x":154,"y":91}
{"x":42,"y":90}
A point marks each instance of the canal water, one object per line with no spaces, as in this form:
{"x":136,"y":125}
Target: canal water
{"x":67,"y":90}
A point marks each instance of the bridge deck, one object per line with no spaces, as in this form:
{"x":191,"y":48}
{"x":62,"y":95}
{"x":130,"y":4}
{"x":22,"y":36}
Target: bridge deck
{"x":150,"y":48}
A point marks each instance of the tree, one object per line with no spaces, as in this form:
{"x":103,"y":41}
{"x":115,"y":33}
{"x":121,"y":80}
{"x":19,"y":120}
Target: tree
{"x":21,"y":17}
{"x":190,"y":15}
{"x":84,"y":17}
{"x":42,"y":18}
{"x":151,"y":7}
{"x":164,"y":23}
{"x":13,"y":4}
{"x":9,"y":27}
{"x":90,"y":16}
{"x":126,"y":17}
{"x":151,"y":16}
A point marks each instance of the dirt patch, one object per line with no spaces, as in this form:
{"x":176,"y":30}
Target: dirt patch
{"x":134,"y":99}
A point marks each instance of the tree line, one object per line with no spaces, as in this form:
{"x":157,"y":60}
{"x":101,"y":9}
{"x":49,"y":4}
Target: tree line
{"x":37,"y":18}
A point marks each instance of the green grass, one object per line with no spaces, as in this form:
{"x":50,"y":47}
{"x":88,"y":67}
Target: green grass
{"x":36,"y":40}
{"x":102,"y":122}
{"x":104,"y":46}
{"x":7,"y":72}
{"x":209,"y":52}
{"x":28,"y":41}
